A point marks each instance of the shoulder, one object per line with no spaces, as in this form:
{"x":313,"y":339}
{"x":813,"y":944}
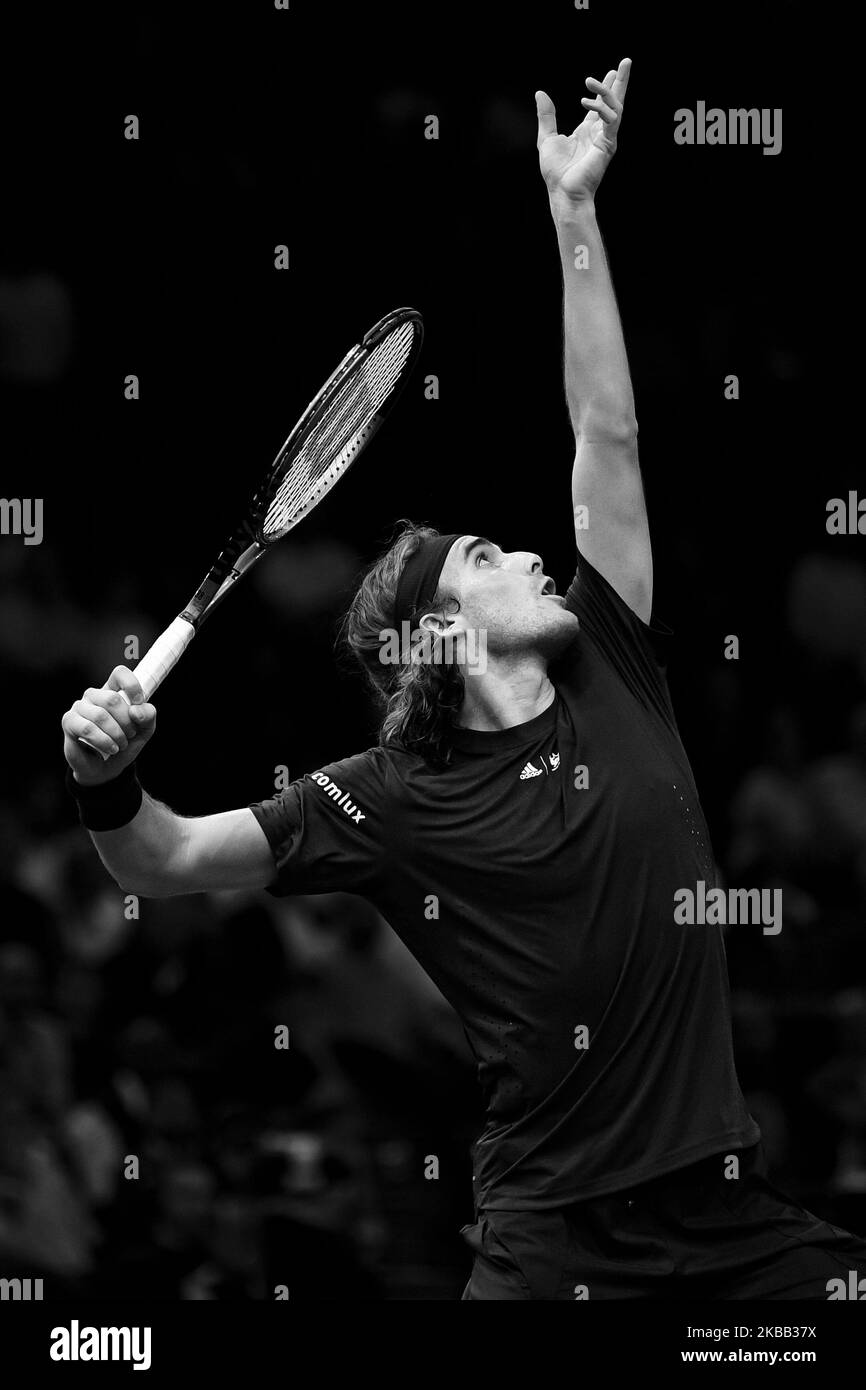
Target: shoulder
{"x":367,"y":771}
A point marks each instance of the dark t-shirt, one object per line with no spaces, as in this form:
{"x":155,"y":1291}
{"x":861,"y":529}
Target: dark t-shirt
{"x":534,"y":881}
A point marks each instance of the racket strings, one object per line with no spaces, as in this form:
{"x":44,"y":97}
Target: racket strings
{"x":339,"y":431}
{"x":346,"y":411}
{"x":335,"y":437}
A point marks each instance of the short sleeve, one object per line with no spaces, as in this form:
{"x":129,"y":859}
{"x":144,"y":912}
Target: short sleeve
{"x":324,"y":829}
{"x":637,"y":652}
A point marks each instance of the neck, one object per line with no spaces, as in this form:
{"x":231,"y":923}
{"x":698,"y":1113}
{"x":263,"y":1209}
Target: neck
{"x":509,"y":692}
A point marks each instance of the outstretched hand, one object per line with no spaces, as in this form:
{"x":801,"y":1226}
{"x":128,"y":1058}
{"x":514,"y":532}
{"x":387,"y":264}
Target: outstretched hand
{"x":573,"y":165}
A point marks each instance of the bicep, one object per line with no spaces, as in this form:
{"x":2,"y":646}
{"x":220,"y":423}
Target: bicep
{"x":219,"y":852}
{"x":610,"y":518}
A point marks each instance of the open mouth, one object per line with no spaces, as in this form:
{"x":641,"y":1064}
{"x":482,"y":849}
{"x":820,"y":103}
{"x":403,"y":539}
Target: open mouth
{"x":548,"y":589}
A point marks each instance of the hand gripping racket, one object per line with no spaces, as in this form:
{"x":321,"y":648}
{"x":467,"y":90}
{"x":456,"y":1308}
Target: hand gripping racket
{"x":331,"y":434}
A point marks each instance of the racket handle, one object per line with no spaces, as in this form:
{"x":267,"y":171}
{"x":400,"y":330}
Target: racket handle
{"x":166,"y":651}
{"x":158,"y":660}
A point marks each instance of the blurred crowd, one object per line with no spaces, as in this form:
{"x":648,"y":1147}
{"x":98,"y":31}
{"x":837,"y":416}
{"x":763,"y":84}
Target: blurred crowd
{"x":223,"y":1098}
{"x":798,"y":823}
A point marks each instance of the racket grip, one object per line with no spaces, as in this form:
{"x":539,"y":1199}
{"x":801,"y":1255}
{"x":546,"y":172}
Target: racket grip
{"x":166,"y":651}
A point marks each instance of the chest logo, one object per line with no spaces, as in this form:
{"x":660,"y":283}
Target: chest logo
{"x":531,"y":770}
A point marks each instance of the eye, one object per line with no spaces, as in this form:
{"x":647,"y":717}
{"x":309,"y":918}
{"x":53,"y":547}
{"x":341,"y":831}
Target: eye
{"x":482,"y":555}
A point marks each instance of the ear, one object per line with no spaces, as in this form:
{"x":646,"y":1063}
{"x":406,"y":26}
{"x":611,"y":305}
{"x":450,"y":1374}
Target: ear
{"x":438,"y":624}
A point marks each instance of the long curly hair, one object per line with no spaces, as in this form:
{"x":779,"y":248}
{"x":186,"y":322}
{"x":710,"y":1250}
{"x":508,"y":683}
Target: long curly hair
{"x":420,"y":694}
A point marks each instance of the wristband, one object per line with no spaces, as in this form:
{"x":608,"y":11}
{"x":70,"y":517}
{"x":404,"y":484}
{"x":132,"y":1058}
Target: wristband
{"x":108,"y":805}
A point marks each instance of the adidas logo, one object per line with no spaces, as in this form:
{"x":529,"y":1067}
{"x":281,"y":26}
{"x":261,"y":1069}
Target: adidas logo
{"x":532,"y":771}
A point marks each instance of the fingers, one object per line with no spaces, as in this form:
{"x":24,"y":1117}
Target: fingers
{"x":101,"y":709}
{"x":117,"y":706}
{"x":130,"y":708}
{"x":620,"y":79}
{"x":123,"y":679}
{"x":546,"y":117}
{"x":95,"y":726}
{"x":113,"y":722}
{"x":107,"y":712}
{"x":608,"y":102}
{"x":118,"y":731}
{"x":144,"y":719}
{"x":605,"y":104}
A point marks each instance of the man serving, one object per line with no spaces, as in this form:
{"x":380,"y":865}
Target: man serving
{"x":524,"y":825}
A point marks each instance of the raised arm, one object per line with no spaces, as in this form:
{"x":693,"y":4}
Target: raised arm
{"x":607,"y":493}
{"x":152,"y":851}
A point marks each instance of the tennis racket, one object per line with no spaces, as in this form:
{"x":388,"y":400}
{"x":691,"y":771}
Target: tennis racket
{"x":331,"y":434}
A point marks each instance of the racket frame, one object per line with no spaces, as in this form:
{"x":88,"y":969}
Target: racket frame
{"x":249,"y":542}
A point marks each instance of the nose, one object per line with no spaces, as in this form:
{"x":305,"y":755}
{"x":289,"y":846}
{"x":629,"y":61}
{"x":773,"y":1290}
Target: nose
{"x":525,"y":561}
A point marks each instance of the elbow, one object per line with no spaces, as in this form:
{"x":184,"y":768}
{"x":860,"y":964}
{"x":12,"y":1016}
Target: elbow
{"x":140,"y":887}
{"x":627,"y":427}
{"x":150,"y":874}
{"x":607,"y":423}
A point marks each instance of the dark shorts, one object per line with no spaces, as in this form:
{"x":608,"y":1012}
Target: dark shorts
{"x":692,"y":1233}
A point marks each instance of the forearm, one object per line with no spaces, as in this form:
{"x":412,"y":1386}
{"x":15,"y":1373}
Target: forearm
{"x":597,"y":379}
{"x":141,"y":856}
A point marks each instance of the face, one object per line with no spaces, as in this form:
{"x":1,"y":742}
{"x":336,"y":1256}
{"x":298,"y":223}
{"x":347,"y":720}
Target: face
{"x":507,"y":595}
